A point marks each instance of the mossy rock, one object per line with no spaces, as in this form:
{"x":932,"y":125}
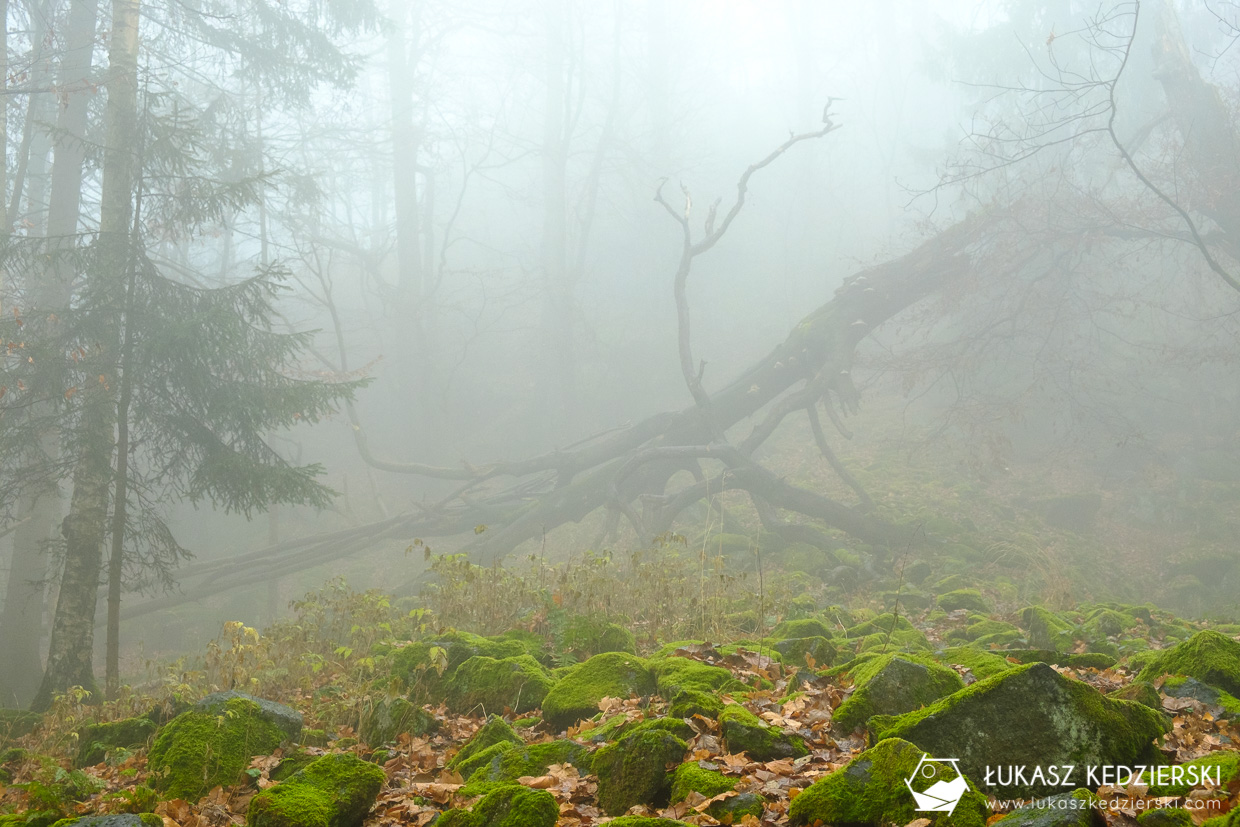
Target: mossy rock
{"x":1180,"y":686}
{"x":199,"y":750}
{"x":332,"y":791}
{"x":1072,"y":809}
{"x":690,"y":777}
{"x":35,"y":818}
{"x":805,"y":627}
{"x":1047,"y":630}
{"x":412,"y":663}
{"x":314,"y":738}
{"x":487,"y":684}
{"x":981,"y":663}
{"x":906,"y":600}
{"x":633,"y":770}
{"x":495,"y":731}
{"x":674,"y":674}
{"x":689,"y":702}
{"x":1208,"y":656}
{"x":745,"y":732}
{"x":881,"y":624}
{"x":668,"y":649}
{"x":509,"y":805}
{"x":732,"y":809}
{"x":506,"y":765}
{"x":870,"y":790}
{"x":1029,"y":715}
{"x":905,"y":640}
{"x":575,"y":697}
{"x":290,"y":765}
{"x":285,"y":718}
{"x":120,"y":820}
{"x":969,"y":599}
{"x":985,"y":626}
{"x":1090,"y":660}
{"x":1142,"y":692}
{"x":1103,"y":623}
{"x":387,"y":719}
{"x":535,"y":646}
{"x":1222,"y":766}
{"x":894,"y":684}
{"x":621,"y":725}
{"x":469,"y":765}
{"x":1166,"y":817}
{"x":792,"y":651}
{"x":1035,"y":656}
{"x":96,"y":740}
{"x":17,"y":723}
{"x":588,"y":636}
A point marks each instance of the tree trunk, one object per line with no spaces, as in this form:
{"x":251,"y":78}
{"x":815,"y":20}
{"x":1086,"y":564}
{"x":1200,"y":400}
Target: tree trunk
{"x":21,"y":626}
{"x":70,"y":655}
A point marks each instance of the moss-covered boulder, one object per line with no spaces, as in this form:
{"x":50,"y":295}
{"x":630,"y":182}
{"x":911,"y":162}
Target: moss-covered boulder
{"x":332,"y":791}
{"x":1143,"y":692}
{"x":285,"y":718}
{"x":1208,"y":656}
{"x":199,"y":750}
{"x":504,"y":764}
{"x":1221,"y":767}
{"x":387,"y":718}
{"x":673,"y":675}
{"x":1071,"y":809}
{"x":691,"y":777}
{"x":588,"y":636}
{"x":42,"y":818}
{"x":894,"y":684}
{"x":689,"y":702}
{"x":731,"y":809}
{"x":793,"y":651}
{"x":490,"y":685}
{"x":95,"y":741}
{"x":745,"y":732}
{"x":415,"y":665}
{"x":969,"y":599}
{"x":1166,"y":817}
{"x":886,"y":623}
{"x":633,"y":770}
{"x":1030,"y":715}
{"x":1047,"y":630}
{"x":980,"y":663}
{"x":1223,"y":704}
{"x":509,"y":805}
{"x":1089,"y":660}
{"x":870,"y":790}
{"x":575,"y":696}
{"x":806,"y":627}
{"x":495,"y":731}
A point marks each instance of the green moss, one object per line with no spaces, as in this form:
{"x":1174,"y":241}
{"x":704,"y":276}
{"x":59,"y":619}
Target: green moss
{"x":882,"y":624}
{"x":1029,"y":711}
{"x":575,"y":697}
{"x":906,"y":640}
{"x":1227,"y":761}
{"x":1089,"y":660}
{"x":332,"y":791}
{"x":387,"y":718}
{"x":1071,"y":809}
{"x":690,"y":777}
{"x":981,"y":663}
{"x":412,"y":663}
{"x":732,"y":809}
{"x":793,"y":651}
{"x":893,"y":684}
{"x":970,"y":599}
{"x":1103,"y":623}
{"x":507,"y":765}
{"x":291,"y":765}
{"x":483,"y":757}
{"x":1166,"y":817}
{"x":806,"y":627}
{"x":1143,"y":692}
{"x":198,"y":750}
{"x":1180,"y":686}
{"x":672,"y":675}
{"x":313,"y":738}
{"x":515,"y":806}
{"x":1207,"y":656}
{"x":487,"y":684}
{"x":982,"y":628}
{"x":870,"y":789}
{"x":494,"y":731}
{"x":745,"y":732}
{"x":633,"y":770}
{"x":1047,"y":630}
{"x":689,"y":702}
{"x":668,"y":649}
{"x":456,"y":818}
{"x":96,"y":740}
{"x":32,"y":818}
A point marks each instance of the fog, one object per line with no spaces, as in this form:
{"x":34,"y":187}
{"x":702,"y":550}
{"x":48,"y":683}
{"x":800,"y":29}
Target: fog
{"x":479,"y":212}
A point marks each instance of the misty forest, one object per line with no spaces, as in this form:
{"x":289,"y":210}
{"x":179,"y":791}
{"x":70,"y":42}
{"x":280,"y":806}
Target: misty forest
{"x":518,"y":413}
